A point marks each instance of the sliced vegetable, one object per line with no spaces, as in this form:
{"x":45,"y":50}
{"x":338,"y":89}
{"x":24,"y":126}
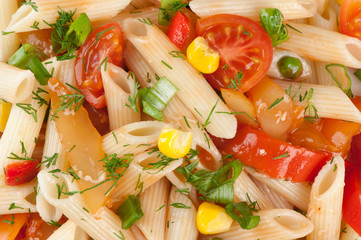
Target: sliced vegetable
{"x":181,"y":30}
{"x":290,"y":67}
{"x":158,"y":98}
{"x":174,"y":143}
{"x":5,"y":109}
{"x":130,"y":211}
{"x":350,"y":16}
{"x":274,"y":157}
{"x":167,"y":10}
{"x":272,"y":22}
{"x":212,"y":219}
{"x":246,"y":219}
{"x":11,"y":224}
{"x":202,"y":57}
{"x":104,"y":45}
{"x":27,"y":57}
{"x":21,"y":172}
{"x":214,"y":186}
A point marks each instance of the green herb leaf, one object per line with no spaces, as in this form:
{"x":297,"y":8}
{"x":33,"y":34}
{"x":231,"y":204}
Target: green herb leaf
{"x":272,"y":23}
{"x":346,"y":90}
{"x":167,"y":10}
{"x":246,"y":219}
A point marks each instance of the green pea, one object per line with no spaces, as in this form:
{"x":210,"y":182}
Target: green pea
{"x":290,"y":67}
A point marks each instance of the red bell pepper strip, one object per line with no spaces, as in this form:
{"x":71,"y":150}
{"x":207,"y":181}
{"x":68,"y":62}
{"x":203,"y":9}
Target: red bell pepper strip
{"x":181,"y":30}
{"x":20,"y":172}
{"x":273,"y":157}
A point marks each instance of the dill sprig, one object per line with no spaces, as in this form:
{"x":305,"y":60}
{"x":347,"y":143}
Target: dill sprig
{"x":31,"y":4}
{"x":28,"y":108}
{"x":133,"y":100}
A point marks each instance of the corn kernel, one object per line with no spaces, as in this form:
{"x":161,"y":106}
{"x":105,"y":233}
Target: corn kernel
{"x":4,"y":114}
{"x":174,"y":143}
{"x":212,"y":219}
{"x":202,"y":57}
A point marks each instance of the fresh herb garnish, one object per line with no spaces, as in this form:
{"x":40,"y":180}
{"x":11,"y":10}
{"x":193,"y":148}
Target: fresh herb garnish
{"x":242,"y":213}
{"x":31,"y":4}
{"x":176,"y":205}
{"x":13,"y":206}
{"x":272,"y":23}
{"x":35,"y":25}
{"x":50,"y":160}
{"x":347,"y":90}
{"x":281,"y":156}
{"x":145,"y":20}
{"x":133,"y":100}
{"x":28,"y":108}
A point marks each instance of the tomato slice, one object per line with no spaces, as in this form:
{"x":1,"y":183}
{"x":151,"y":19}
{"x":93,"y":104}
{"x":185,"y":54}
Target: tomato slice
{"x":350,"y":18}
{"x":181,"y":30}
{"x":271,"y":156}
{"x":20,"y":172}
{"x":106,"y":44}
{"x":243,"y":46}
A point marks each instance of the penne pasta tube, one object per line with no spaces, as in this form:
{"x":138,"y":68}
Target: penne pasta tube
{"x":17,"y":199}
{"x":182,"y":221}
{"x":153,"y":222}
{"x":119,"y":86}
{"x":15,"y":84}
{"x":46,"y":11}
{"x":155,"y":47}
{"x":69,"y":231}
{"x":349,"y":234}
{"x":9,"y":43}
{"x":325,"y":209}
{"x":291,"y":9}
{"x":323,"y":45}
{"x":133,"y":138}
{"x":296,"y":193}
{"x":246,"y":190}
{"x":330,"y":101}
{"x":62,"y":70}
{"x":105,"y":225}
{"x":275,"y":224}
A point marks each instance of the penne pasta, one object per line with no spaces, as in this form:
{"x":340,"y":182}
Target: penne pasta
{"x":349,"y":234}
{"x":69,"y":231}
{"x":147,"y":39}
{"x":325,"y":209}
{"x":9,"y":42}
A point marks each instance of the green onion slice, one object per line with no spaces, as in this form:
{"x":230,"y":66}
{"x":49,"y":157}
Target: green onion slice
{"x":130,"y":211}
{"x":79,"y":30}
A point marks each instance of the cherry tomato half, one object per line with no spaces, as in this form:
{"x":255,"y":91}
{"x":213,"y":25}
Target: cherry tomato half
{"x":243,"y":46}
{"x":20,"y":172}
{"x":350,"y":18}
{"x":104,"y":45}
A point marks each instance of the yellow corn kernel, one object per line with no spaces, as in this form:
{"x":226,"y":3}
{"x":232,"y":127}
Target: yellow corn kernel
{"x":212,"y":219}
{"x":202,"y":57}
{"x":174,"y":143}
{"x":4,"y":114}
{"x":339,"y":2}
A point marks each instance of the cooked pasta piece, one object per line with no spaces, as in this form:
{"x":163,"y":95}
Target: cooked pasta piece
{"x":15,"y":84}
{"x":296,"y":193}
{"x":330,"y":101}
{"x":133,"y":138}
{"x":9,"y":43}
{"x":246,"y":190}
{"x":62,"y":70}
{"x":275,"y":224}
{"x":21,"y":198}
{"x":156,"y":47}
{"x":325,"y":209}
{"x":19,"y":140}
{"x":69,"y":231}
{"x":104,"y":225}
{"x":153,"y":222}
{"x":141,"y":172}
{"x":349,"y":234}
{"x":182,"y":220}
{"x":323,"y":45}
{"x":46,"y":11}
{"x":291,"y":9}
{"x":118,"y":88}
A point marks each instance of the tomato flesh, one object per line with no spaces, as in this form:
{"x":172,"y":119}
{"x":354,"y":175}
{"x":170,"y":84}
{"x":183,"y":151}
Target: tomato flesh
{"x":181,"y":31}
{"x":104,"y":45}
{"x":273,"y":157}
{"x":20,"y":172}
{"x":350,"y":18}
{"x":243,"y":47}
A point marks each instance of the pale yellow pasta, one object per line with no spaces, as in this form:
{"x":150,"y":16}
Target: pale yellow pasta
{"x":8,"y":43}
{"x":69,"y":231}
{"x":155,"y":47}
{"x":349,"y":234}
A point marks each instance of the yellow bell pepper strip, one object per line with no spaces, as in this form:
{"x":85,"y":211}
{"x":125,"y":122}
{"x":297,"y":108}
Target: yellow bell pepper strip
{"x":202,"y":57}
{"x":4,"y":114}
{"x":11,"y":224}
{"x":174,"y":143}
{"x":212,"y":219}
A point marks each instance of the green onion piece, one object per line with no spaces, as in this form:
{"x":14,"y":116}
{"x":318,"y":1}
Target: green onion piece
{"x":167,"y":10}
{"x":272,"y":23}
{"x":79,"y":30}
{"x":130,"y":211}
{"x":27,"y":57}
{"x":158,"y":98}
{"x":246,"y":220}
{"x":290,"y":67}
{"x":214,"y":186}
{"x":358,"y":74}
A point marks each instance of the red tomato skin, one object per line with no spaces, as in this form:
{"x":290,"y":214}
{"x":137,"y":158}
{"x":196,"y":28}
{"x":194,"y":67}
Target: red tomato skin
{"x":92,"y":54}
{"x":350,"y":17}
{"x":181,"y":31}
{"x":246,"y":47}
{"x":21,"y":172}
{"x":351,"y":206}
{"x":257,"y":149}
